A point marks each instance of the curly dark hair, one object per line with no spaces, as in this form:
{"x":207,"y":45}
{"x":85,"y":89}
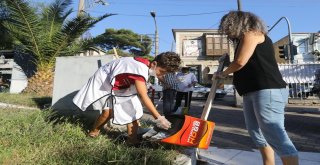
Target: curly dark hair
{"x":168,"y":60}
{"x":236,"y":23}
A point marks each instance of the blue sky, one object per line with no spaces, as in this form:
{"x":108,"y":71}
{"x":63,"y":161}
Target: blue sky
{"x":201,"y":14}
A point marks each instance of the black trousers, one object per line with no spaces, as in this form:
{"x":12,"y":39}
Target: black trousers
{"x":187,"y":99}
{"x":169,"y":96}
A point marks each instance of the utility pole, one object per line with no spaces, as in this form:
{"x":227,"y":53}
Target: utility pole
{"x":156,"y":37}
{"x":290,"y":56}
{"x":80,"y":8}
{"x":239,"y":5}
{"x":85,"y":4}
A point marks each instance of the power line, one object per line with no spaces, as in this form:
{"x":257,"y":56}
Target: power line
{"x":214,"y":25}
{"x":172,"y":15}
{"x":184,"y":15}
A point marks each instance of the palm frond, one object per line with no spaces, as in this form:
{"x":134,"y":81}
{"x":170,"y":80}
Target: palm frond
{"x":48,"y":34}
{"x":72,"y":31}
{"x":54,"y":16}
{"x":66,"y":14}
{"x":25,"y":24}
{"x":98,"y":19}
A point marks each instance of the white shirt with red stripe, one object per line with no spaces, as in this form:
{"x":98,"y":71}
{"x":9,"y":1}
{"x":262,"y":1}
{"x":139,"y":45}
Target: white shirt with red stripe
{"x":116,"y":79}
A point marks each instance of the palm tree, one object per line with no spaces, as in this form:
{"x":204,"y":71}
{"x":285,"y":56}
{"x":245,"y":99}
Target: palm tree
{"x":6,"y":41}
{"x":45,"y":35}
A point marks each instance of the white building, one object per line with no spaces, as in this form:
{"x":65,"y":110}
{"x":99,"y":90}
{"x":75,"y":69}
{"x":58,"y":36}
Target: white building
{"x":200,"y":49}
{"x":306,"y":45}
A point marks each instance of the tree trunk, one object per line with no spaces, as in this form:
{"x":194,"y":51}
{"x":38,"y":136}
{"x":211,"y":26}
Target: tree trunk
{"x":41,"y":83}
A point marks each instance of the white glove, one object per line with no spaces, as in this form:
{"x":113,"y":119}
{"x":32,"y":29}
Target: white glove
{"x":163,"y":123}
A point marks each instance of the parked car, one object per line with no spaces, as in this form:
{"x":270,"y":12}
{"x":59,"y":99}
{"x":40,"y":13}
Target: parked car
{"x":199,"y":92}
{"x":203,"y":92}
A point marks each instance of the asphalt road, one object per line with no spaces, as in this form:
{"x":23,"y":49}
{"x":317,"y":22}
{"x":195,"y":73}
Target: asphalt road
{"x":302,"y":124}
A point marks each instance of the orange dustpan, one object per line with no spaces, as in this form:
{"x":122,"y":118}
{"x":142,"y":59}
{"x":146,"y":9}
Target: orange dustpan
{"x":191,"y":131}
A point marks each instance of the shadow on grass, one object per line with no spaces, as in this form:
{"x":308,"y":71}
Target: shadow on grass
{"x":85,"y":119}
{"x":63,"y":110}
{"x":42,"y":102}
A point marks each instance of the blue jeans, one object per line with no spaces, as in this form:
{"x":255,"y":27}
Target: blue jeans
{"x":169,"y":96}
{"x":264,"y":116}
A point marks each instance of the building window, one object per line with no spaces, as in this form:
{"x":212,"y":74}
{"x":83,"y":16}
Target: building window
{"x":216,"y":45}
{"x":302,"y":47}
{"x":192,"y":47}
{"x":317,"y":46}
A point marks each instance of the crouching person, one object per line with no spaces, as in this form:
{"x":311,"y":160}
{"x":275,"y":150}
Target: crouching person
{"x":117,"y":88}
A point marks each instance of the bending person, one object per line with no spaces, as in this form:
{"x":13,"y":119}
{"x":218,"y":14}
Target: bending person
{"x":115,"y":88}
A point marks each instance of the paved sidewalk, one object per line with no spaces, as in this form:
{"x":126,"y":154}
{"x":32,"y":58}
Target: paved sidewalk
{"x":220,"y":156}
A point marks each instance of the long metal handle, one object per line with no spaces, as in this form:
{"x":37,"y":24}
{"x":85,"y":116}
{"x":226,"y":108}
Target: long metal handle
{"x":206,"y":110}
{"x":215,"y":82}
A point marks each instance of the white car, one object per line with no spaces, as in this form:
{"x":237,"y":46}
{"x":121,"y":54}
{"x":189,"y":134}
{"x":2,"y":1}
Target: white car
{"x":157,"y":89}
{"x":200,"y":91}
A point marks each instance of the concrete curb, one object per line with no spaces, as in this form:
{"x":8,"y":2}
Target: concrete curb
{"x":303,"y":109}
{"x":5,"y":105}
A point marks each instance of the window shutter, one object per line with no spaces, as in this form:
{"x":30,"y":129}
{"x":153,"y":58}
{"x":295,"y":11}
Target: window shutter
{"x":209,"y":46}
{"x":216,"y":45}
{"x":225,"y":45}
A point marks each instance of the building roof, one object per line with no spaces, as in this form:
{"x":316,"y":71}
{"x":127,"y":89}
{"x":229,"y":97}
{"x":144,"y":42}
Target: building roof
{"x":296,"y":33}
{"x":193,"y":30}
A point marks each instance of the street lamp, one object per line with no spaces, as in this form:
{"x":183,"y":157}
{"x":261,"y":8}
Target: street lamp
{"x":156,"y":47}
{"x":156,"y":42}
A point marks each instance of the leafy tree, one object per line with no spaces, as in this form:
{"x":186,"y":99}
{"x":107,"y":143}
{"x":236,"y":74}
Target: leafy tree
{"x":120,"y":53}
{"x":150,"y":58}
{"x":45,"y":33}
{"x":125,"y":40}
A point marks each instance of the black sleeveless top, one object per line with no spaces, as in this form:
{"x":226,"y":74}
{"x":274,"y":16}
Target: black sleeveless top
{"x":261,"y":71}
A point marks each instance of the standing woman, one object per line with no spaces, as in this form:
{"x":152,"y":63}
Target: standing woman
{"x":257,"y":78}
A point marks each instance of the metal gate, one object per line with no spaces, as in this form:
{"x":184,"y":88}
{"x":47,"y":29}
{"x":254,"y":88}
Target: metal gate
{"x":302,"y":80}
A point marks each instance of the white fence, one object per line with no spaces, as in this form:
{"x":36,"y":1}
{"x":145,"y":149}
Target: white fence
{"x":300,"y":78}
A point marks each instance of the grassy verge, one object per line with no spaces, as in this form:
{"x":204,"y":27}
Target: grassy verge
{"x":27,"y":137}
{"x":24,"y":99}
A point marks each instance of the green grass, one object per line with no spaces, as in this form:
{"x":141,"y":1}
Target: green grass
{"x":28,"y":137}
{"x":24,"y":99}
